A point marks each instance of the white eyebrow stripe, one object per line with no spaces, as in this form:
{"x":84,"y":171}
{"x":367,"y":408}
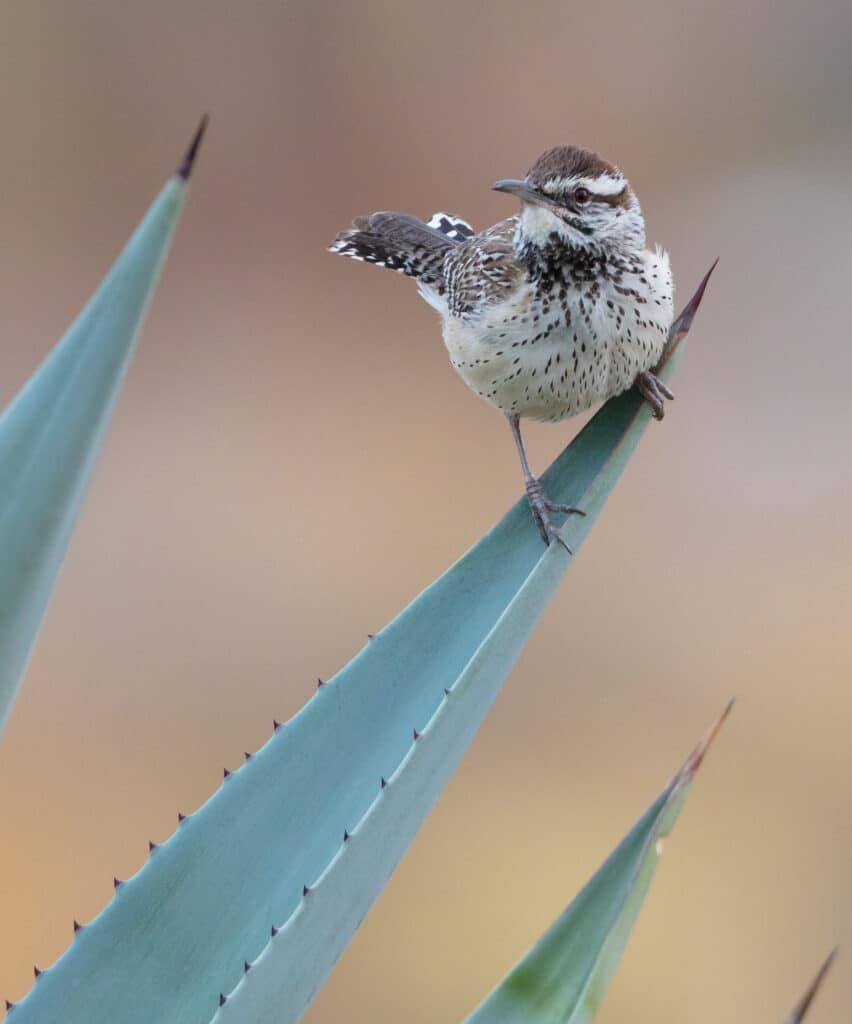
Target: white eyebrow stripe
{"x":604,"y":185}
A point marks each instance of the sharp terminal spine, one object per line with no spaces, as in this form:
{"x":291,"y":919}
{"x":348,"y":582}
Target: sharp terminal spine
{"x":184,"y":171}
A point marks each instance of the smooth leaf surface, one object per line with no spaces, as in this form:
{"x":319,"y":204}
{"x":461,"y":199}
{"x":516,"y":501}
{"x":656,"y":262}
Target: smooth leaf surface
{"x":52,"y":431}
{"x":208,"y":901}
{"x":562,"y":980}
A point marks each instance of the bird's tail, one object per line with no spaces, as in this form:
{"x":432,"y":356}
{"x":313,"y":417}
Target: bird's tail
{"x":402,"y":243}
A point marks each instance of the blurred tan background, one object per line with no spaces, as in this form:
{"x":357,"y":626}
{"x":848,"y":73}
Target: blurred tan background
{"x":293,"y":459}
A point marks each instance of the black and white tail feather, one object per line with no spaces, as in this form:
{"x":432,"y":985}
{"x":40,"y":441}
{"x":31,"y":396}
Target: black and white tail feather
{"x":451,"y":226}
{"x":404,"y":243}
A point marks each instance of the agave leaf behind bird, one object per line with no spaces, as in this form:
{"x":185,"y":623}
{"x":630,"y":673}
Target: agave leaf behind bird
{"x":52,"y":431}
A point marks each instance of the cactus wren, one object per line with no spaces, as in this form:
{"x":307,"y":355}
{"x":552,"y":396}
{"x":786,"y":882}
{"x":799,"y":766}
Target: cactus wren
{"x":548,"y":312}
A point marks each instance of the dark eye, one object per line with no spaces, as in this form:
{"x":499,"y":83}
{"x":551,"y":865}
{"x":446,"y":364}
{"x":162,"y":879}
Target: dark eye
{"x":581,"y":195}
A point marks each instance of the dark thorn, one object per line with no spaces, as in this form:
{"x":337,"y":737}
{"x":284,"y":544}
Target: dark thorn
{"x":370,"y":636}
{"x":346,"y":836}
{"x":246,"y":967}
{"x":276,"y":725}
{"x":274,"y":931}
{"x":320,"y":683}
{"x":185,"y":169}
{"x":416,"y":735}
{"x":181,"y":817}
{"x":152,"y":846}
{"x":222,"y":999}
{"x":226,"y":774}
{"x":9,"y":1006}
{"x":384,"y":782}
{"x":117,"y":883}
{"x":247,"y":755}
{"x":77,"y":926}
{"x":680,"y":328}
{"x":306,"y":891}
{"x":36,"y":972}
{"x":804,"y":1004}
{"x":446,"y":692}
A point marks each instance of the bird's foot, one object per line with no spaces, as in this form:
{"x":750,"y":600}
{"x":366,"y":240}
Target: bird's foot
{"x":654,"y":391}
{"x":542,"y":506}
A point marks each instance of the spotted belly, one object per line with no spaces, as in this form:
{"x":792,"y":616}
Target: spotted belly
{"x":548,"y":362}
{"x":556,"y":371}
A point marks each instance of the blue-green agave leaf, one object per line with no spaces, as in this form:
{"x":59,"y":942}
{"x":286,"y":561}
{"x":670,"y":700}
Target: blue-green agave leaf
{"x":52,"y":431}
{"x":259,"y":891}
{"x":562,"y":980}
{"x":800,"y":1010}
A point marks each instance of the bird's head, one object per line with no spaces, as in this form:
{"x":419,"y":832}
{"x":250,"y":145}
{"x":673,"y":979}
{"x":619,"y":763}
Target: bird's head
{"x":571,"y":197}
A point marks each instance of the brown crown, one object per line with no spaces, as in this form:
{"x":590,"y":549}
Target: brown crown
{"x":568,"y":161}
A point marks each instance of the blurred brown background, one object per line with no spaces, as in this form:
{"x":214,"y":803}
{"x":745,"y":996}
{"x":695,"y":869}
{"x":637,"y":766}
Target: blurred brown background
{"x":293,"y":459}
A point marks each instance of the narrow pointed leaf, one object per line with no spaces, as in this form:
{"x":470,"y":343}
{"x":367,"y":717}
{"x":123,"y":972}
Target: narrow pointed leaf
{"x":52,"y":431}
{"x":800,"y":1010}
{"x":262,"y":872}
{"x":562,"y":980}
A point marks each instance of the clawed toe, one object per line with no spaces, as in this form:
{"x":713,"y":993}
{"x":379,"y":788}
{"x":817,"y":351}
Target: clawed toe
{"x":654,"y":391}
{"x":541,"y":507}
{"x":565,"y":510}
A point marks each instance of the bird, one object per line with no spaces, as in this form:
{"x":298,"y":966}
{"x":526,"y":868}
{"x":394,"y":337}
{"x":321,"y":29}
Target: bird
{"x":548,"y":312}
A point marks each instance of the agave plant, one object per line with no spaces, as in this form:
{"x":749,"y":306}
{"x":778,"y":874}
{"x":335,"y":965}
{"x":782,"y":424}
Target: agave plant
{"x":242,"y":913}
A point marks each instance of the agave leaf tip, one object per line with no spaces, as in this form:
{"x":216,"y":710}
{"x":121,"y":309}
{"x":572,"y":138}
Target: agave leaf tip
{"x":693,"y":762}
{"x":801,"y":1008}
{"x":184,"y":170}
{"x":691,"y":308}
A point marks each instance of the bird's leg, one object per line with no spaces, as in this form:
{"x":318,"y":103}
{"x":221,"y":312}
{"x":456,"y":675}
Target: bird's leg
{"x":540,"y":504}
{"x":653,"y":390}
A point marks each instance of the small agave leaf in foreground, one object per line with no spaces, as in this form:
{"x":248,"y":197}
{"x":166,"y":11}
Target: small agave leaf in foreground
{"x":52,"y":431}
{"x":801,"y":1008}
{"x":277,"y":870}
{"x":562,"y":980}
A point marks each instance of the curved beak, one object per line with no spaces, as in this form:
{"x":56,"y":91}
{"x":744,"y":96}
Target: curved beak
{"x":524,"y":192}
